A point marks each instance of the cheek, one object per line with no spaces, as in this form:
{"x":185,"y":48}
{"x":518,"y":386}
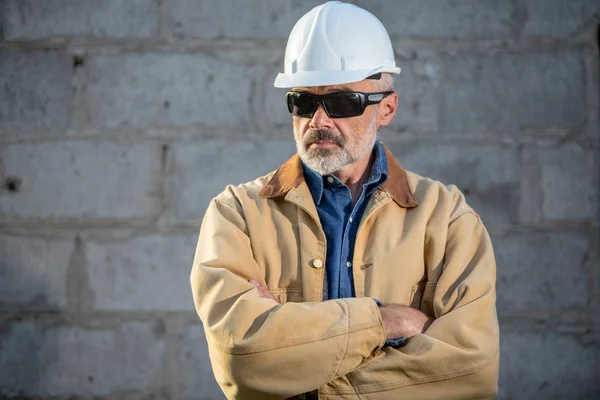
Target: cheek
{"x":368,"y":125}
{"x":352,"y":130}
{"x":370,"y":115}
{"x":299,"y":125}
{"x":358,"y":132}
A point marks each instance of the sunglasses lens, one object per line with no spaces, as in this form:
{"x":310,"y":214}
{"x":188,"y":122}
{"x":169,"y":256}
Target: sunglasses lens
{"x":343,"y":105}
{"x":338,"y":105}
{"x":301,"y":105}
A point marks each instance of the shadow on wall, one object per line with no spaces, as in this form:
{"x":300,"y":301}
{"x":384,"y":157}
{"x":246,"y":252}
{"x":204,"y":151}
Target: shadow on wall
{"x":31,"y":302}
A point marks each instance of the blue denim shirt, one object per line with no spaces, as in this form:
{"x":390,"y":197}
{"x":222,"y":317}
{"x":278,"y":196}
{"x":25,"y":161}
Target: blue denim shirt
{"x":340,"y":220}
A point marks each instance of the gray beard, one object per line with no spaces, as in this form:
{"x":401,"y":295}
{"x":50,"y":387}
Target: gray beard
{"x":325,"y":161}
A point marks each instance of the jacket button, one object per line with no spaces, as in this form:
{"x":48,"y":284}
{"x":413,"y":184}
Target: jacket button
{"x":317,"y":263}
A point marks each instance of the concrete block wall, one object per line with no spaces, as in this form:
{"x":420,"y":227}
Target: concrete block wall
{"x":119,"y":120}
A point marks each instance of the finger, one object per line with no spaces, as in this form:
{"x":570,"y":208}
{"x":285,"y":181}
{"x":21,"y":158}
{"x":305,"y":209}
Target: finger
{"x":263,"y":291}
{"x":259,"y":287}
{"x":266,"y":294}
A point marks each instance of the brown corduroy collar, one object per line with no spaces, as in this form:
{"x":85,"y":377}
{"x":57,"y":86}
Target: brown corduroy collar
{"x":291,"y":175}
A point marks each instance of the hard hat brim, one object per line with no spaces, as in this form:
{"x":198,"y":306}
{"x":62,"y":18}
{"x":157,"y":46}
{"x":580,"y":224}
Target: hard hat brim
{"x":327,"y":78}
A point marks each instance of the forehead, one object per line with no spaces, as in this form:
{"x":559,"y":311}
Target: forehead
{"x":360,"y":86}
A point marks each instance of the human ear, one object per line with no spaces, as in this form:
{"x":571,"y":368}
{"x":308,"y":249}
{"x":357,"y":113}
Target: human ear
{"x":387,"y":109}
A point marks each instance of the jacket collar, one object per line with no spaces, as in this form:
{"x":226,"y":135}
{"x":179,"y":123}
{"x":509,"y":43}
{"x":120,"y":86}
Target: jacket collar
{"x":291,"y":174}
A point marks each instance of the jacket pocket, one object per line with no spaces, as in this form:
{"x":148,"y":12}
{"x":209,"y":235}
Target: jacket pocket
{"x":422,"y":297}
{"x":288,"y":295}
{"x":416,"y":294}
{"x":427,"y":300}
{"x":376,"y":355}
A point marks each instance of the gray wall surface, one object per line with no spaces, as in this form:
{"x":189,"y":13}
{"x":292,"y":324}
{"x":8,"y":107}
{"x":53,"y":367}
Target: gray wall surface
{"x":120,"y":120}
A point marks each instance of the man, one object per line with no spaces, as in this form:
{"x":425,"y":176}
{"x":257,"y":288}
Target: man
{"x":341,"y":275}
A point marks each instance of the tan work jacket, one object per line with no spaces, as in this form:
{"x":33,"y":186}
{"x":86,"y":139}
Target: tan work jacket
{"x":418,"y":244}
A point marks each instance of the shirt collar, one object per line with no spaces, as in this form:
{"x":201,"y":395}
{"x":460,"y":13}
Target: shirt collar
{"x":314,"y":182}
{"x":379,"y":174}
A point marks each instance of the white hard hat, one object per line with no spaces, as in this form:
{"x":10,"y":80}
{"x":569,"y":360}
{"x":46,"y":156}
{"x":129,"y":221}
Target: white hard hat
{"x":336,"y":43}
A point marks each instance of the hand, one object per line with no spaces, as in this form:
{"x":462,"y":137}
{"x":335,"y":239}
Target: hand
{"x":263,"y":291}
{"x":403,"y":321}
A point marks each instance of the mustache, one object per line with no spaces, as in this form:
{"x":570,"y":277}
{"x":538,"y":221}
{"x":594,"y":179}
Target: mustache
{"x":322,"y":134}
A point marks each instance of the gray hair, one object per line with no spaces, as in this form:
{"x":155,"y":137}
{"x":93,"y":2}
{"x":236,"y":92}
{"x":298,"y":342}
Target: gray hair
{"x":385,"y":83}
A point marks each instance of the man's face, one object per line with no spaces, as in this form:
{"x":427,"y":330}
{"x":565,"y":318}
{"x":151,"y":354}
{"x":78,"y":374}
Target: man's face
{"x":326,"y":145}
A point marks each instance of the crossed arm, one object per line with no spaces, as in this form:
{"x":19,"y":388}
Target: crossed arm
{"x":262,"y":349}
{"x":398,"y":320}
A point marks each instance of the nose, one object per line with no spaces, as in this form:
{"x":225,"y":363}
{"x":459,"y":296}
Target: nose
{"x":320,"y":119}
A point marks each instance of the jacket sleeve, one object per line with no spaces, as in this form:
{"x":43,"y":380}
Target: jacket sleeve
{"x":457,"y":356}
{"x":259,"y":348}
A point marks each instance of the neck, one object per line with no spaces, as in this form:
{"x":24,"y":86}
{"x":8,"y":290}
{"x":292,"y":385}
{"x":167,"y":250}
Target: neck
{"x":357,"y":174}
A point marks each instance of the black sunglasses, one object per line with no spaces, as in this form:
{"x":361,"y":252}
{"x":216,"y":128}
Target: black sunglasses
{"x":336,"y":105}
